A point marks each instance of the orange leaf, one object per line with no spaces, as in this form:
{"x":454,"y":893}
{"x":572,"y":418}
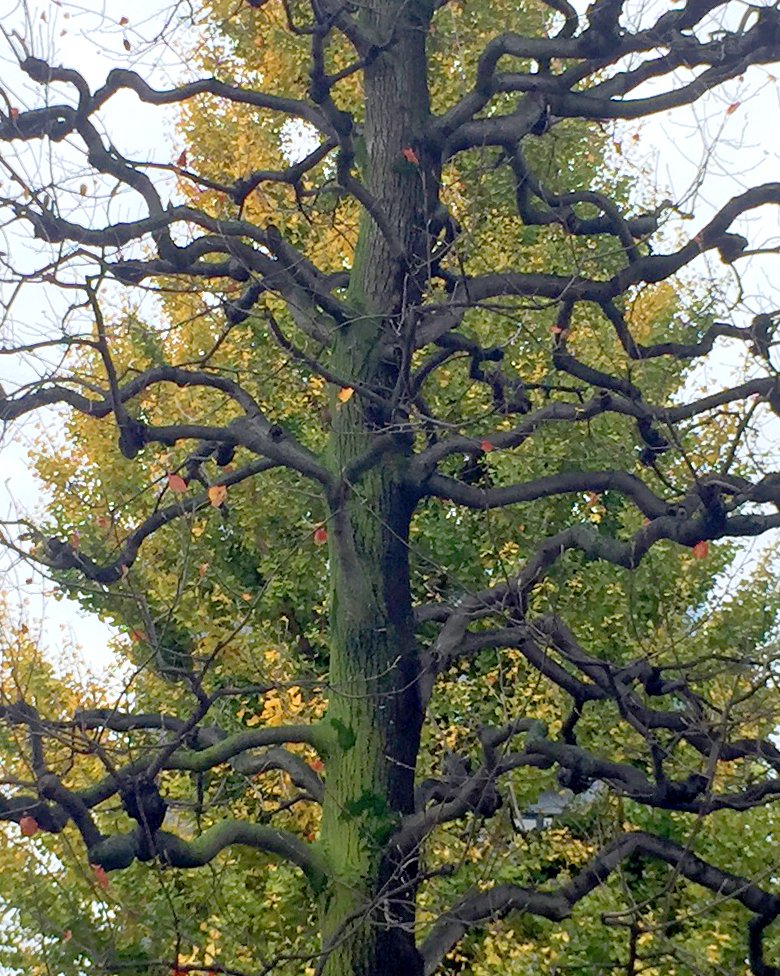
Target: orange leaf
{"x":486,"y":446}
{"x":182,"y":160}
{"x":732,"y":108}
{"x":101,"y":878}
{"x":102,"y":521}
{"x":700,"y":550}
{"x":177,"y":484}
{"x":203,"y":569}
{"x":410,"y":155}
{"x":123,"y":21}
{"x":138,"y":636}
{"x":75,"y":540}
{"x":344,"y":394}
{"x":558,"y":330}
{"x":320,"y":535}
{"x":317,"y":765}
{"x":28,"y":826}
{"x":217,"y":495}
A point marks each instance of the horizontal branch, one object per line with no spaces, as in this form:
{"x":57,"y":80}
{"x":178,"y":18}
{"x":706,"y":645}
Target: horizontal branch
{"x":117,"y":852}
{"x":424,"y":464}
{"x":201,"y":760}
{"x":480,"y":907}
{"x":122,"y":78}
{"x":566,"y":482}
{"x":62,"y":555}
{"x":299,"y":771}
{"x":513,"y":594}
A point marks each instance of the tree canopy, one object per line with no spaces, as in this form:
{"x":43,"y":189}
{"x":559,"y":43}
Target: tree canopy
{"x":394,"y":434}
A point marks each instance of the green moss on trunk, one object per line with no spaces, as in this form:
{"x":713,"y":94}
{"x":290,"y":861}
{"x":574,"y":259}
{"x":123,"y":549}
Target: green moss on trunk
{"x":375,"y":712}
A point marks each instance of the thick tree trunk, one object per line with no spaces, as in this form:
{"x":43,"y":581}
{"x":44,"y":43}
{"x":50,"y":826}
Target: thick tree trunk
{"x":375,"y":711}
{"x":375,"y":716}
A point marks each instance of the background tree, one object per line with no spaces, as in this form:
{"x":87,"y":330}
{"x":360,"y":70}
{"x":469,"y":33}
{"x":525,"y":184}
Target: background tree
{"x":517,"y":499}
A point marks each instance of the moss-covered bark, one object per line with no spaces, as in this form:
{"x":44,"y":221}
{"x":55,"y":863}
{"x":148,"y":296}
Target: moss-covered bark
{"x":375,"y":712}
{"x":375,"y":717}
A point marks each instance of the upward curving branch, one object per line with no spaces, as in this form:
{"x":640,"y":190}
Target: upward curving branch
{"x":479,"y":908}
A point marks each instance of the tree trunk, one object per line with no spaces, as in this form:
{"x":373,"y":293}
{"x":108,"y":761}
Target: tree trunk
{"x":375,"y":710}
{"x":375,"y":716}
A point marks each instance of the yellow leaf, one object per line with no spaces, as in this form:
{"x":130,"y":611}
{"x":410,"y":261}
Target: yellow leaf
{"x":217,"y":495}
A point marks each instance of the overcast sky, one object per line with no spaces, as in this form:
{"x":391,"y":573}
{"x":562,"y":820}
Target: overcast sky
{"x":90,"y":39}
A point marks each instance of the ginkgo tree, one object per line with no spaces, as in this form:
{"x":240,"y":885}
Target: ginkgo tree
{"x":402,"y":495}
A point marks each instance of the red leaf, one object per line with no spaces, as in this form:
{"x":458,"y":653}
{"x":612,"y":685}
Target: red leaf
{"x":410,"y":155}
{"x":732,"y":108}
{"x":182,"y":160}
{"x":28,"y":826}
{"x":317,"y":765}
{"x":67,"y":935}
{"x":14,"y":113}
{"x":486,"y":446}
{"x":123,"y":21}
{"x":320,"y":535}
{"x":700,"y":550}
{"x":101,"y":878}
{"x":177,"y":484}
{"x":125,"y":44}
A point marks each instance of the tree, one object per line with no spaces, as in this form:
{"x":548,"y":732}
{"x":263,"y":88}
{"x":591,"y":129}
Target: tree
{"x":509,"y":443}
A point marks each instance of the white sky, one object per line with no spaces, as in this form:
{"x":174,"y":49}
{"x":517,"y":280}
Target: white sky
{"x":90,"y":39}
{"x":741,"y":148}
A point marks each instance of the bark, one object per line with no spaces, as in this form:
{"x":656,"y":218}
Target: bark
{"x":375,"y":711}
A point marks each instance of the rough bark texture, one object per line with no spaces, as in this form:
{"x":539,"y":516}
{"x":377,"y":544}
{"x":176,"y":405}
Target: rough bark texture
{"x":368,"y":909}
